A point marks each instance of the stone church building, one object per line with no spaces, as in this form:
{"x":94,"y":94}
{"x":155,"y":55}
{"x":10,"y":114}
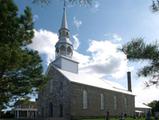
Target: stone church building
{"x":70,"y":94}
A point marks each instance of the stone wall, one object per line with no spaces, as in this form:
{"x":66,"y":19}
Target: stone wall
{"x":55,"y":92}
{"x":59,"y":90}
{"x":94,"y":101}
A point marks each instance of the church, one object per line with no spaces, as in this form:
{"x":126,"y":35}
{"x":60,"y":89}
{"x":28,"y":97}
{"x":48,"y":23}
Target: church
{"x":70,"y":94}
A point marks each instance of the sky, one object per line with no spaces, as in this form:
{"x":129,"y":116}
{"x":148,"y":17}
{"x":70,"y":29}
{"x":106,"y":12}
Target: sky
{"x":97,"y":31}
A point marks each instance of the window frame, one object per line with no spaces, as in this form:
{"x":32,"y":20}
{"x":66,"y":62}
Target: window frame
{"x":85,"y":99}
{"x":102,"y":101}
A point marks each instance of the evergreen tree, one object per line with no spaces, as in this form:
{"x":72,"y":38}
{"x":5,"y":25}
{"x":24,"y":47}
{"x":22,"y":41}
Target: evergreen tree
{"x":137,"y":49}
{"x":155,"y":106}
{"x":81,"y":2}
{"x":20,"y":68}
{"x":155,"y":6}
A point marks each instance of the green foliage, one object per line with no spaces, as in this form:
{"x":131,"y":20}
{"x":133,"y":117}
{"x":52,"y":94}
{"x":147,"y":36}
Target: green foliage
{"x":84,"y":2}
{"x":155,"y":6}
{"x":81,"y":2}
{"x":155,"y":106}
{"x":20,"y":68}
{"x":137,"y":49}
{"x":113,"y":118}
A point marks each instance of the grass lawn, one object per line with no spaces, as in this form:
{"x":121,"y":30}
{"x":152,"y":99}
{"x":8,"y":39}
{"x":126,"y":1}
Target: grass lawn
{"x":115,"y":119}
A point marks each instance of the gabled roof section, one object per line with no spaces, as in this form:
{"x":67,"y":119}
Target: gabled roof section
{"x":141,"y":105}
{"x":85,"y":79}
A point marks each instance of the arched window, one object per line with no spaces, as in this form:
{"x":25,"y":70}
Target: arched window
{"x":62,"y":50}
{"x":101,"y":101}
{"x":85,"y":100}
{"x":67,"y":34}
{"x":42,"y":112}
{"x":51,"y":110}
{"x":57,"y":50}
{"x":51,"y":86}
{"x":61,"y":110}
{"x":61,"y":89}
{"x":60,"y":33}
{"x":115,"y":102}
{"x":69,"y":51}
{"x":125,"y":102}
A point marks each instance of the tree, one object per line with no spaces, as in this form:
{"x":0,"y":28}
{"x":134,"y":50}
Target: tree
{"x":155,"y":6}
{"x":81,"y":2}
{"x":155,"y":106}
{"x":137,"y":49}
{"x":20,"y":68}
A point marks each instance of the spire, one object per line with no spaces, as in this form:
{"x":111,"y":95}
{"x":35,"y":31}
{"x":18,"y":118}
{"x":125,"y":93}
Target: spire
{"x":64,"y":48}
{"x":64,"y":19}
{"x":64,"y":45}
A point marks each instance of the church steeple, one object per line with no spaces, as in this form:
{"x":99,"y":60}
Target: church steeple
{"x":64,"y":46}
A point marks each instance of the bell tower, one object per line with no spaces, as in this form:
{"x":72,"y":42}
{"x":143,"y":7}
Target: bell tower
{"x":64,"y":48}
{"x":64,"y":45}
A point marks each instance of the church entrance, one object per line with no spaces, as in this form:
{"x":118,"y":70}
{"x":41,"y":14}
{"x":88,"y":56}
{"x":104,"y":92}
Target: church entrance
{"x":50,"y":110}
{"x":61,"y":110}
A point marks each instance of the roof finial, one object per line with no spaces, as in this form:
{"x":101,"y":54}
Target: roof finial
{"x":64,"y":4}
{"x":64,"y":19}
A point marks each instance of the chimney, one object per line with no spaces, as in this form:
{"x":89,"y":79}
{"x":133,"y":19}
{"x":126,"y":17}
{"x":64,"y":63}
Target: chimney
{"x":129,"y":81}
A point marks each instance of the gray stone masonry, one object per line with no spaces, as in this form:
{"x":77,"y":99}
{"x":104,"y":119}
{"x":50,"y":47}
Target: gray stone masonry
{"x":60,"y":91}
{"x":94,"y":110}
{"x":59,"y":95}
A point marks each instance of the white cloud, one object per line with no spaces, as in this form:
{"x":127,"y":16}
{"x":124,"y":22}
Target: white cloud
{"x":81,"y":58}
{"x":77,"y":22}
{"x":44,"y":42}
{"x":106,"y":59}
{"x":113,"y":37}
{"x":96,"y":5}
{"x":76,"y":42}
{"x":145,"y":94}
{"x":35,"y":17}
{"x":117,"y":37}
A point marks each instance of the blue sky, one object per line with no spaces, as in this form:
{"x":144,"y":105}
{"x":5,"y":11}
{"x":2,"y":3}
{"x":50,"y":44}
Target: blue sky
{"x":128,"y":18}
{"x":97,"y":31}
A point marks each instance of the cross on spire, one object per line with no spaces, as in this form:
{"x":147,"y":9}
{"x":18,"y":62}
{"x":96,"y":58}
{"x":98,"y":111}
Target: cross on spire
{"x":64,"y":3}
{"x":64,"y":19}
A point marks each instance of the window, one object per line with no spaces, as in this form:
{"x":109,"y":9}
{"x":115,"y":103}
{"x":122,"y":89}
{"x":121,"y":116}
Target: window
{"x":61,"y":110}
{"x":61,"y":89}
{"x":85,"y":102}
{"x":42,"y":112}
{"x":69,"y":51}
{"x":63,"y":33}
{"x":57,"y":50}
{"x":115,"y":102}
{"x":67,"y":34}
{"x":51,"y":110}
{"x":62,"y":50}
{"x":125,"y":102}
{"x":101,"y":101}
{"x":51,"y":86}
